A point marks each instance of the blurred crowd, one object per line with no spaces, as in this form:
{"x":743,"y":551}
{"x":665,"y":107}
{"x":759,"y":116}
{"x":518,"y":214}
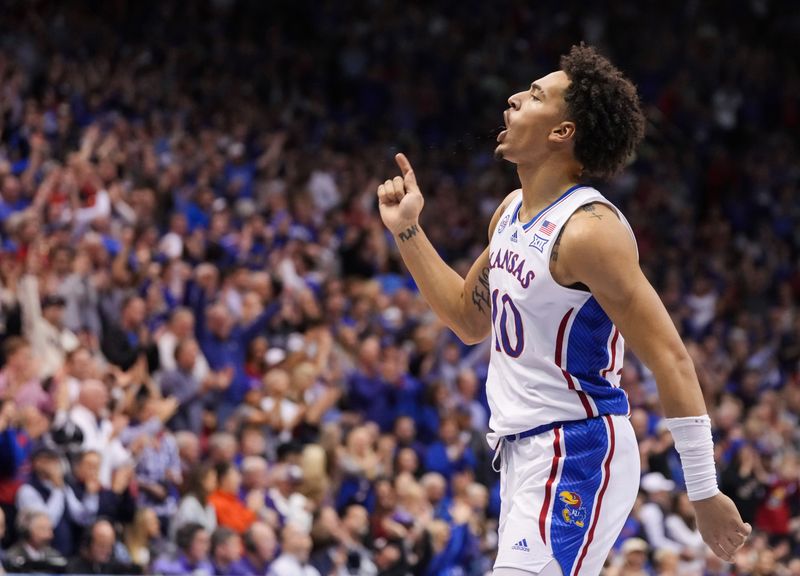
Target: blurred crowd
{"x":213,"y":360}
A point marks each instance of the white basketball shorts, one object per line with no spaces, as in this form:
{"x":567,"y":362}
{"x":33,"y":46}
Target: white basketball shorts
{"x":565,"y":495}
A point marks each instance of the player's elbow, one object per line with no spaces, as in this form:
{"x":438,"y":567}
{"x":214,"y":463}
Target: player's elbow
{"x":469,"y":339}
{"x":675,"y":359}
{"x":684,"y":364}
{"x":471,"y":335}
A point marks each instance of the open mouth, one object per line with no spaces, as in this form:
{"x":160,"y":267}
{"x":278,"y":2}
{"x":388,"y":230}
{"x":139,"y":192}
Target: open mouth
{"x":504,"y":127}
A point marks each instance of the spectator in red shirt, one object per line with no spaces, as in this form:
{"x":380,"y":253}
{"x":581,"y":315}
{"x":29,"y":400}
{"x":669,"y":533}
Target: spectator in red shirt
{"x":231,"y":511}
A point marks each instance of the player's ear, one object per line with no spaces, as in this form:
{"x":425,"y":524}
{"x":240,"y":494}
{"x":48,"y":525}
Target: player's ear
{"x":562,"y":133}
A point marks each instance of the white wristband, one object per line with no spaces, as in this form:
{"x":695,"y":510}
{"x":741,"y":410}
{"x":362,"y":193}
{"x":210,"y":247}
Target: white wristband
{"x":693,"y":442}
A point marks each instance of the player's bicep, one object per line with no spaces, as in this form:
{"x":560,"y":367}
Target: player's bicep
{"x":636,"y":309}
{"x":602,"y":255}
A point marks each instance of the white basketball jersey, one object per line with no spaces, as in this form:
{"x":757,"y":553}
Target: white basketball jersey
{"x":556,"y":356}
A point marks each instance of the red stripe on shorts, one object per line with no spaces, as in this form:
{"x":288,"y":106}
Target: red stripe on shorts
{"x":549,"y":486}
{"x":607,"y":468}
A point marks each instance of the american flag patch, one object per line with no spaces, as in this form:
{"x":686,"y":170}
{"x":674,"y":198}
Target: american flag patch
{"x":547,"y":227}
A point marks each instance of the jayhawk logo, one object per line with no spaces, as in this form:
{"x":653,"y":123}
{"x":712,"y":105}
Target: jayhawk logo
{"x":573,"y":512}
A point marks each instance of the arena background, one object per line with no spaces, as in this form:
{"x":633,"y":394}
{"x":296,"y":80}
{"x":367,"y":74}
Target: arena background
{"x":181,"y":170}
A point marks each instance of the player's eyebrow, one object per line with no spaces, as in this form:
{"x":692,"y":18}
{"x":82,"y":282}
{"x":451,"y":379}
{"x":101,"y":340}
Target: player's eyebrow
{"x":536,"y":88}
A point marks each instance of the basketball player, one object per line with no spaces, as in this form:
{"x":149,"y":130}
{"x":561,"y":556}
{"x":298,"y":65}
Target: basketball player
{"x":558,"y":290}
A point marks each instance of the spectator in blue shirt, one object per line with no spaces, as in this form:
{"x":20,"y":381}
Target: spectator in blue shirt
{"x":451,"y":452}
{"x":224,"y":343}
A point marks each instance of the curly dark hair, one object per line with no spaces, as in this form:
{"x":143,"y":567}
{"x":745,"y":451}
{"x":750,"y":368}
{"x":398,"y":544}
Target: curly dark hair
{"x":604,"y":105}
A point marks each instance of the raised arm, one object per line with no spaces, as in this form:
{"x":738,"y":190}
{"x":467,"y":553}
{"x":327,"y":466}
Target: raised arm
{"x":462,"y":304}
{"x":596,"y":249}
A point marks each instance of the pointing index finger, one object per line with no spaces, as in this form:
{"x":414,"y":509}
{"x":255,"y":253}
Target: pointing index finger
{"x":403,"y":163}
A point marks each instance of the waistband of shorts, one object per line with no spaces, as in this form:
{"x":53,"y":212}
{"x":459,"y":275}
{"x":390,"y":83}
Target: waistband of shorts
{"x":549,"y":426}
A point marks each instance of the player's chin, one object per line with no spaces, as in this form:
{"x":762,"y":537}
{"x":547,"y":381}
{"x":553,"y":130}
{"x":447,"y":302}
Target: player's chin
{"x":502,"y":153}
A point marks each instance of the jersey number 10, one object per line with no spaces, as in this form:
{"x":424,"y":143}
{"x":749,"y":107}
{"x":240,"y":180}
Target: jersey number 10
{"x":506,"y":304}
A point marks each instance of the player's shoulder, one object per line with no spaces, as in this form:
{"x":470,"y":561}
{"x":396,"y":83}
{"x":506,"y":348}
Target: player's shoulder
{"x":596,"y":227}
{"x":593,"y":241}
{"x":595,"y":211}
{"x":502,"y":208}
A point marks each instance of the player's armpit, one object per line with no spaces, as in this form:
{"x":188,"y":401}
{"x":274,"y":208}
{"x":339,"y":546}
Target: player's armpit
{"x":476,"y":302}
{"x":600,"y":253}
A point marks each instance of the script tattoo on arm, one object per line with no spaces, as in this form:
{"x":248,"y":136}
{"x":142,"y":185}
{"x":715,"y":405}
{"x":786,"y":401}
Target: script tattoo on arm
{"x":554,"y":251}
{"x":480,"y":294}
{"x":409,"y":233}
{"x":592,"y":212}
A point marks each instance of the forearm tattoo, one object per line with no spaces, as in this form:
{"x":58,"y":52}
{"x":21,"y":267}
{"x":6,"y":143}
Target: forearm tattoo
{"x":409,"y":233}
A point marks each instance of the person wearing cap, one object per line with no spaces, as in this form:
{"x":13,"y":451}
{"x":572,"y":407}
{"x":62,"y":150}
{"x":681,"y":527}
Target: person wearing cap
{"x":667,"y":563}
{"x":634,"y":558}
{"x":654,"y":512}
{"x":46,"y":491}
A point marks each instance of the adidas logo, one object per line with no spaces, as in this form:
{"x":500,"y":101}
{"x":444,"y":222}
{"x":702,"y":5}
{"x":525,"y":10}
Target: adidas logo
{"x":522,"y":545}
{"x":514,"y":236}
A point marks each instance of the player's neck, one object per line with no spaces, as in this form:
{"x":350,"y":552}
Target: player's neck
{"x":542,"y":185}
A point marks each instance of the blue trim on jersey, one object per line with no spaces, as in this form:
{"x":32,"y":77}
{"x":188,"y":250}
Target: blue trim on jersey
{"x":530,"y":222}
{"x":585,"y":447}
{"x":587,"y":356}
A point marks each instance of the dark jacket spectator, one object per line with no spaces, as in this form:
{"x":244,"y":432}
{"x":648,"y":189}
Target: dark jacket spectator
{"x":115,"y":502}
{"x":45,"y":491}
{"x":33,"y":552}
{"x":97,"y":553}
{"x":127,"y":340}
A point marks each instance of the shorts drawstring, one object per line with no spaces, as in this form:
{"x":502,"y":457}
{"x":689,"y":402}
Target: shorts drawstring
{"x":497,"y":459}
